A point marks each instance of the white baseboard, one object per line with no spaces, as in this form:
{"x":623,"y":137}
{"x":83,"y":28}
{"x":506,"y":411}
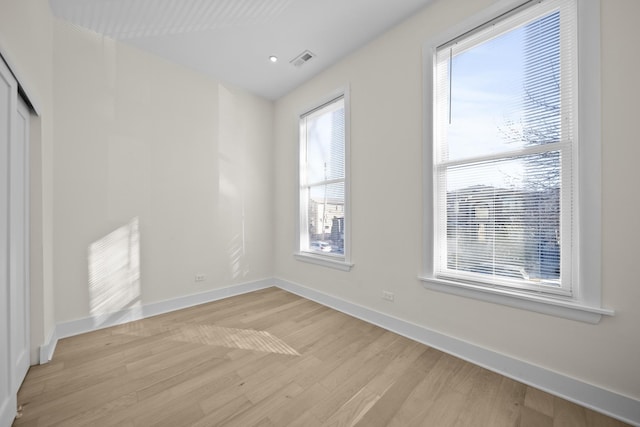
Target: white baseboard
{"x":607,"y":402}
{"x":8,"y":410}
{"x":601,"y":400}
{"x":92,"y":323}
{"x":47,"y":349}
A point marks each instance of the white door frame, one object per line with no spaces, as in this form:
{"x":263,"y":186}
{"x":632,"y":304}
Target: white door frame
{"x":14,"y":244}
{"x":19,"y":295}
{"x":8,"y":102}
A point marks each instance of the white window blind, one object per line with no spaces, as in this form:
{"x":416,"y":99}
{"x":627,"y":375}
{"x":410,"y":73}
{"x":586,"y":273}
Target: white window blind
{"x":322,"y":180}
{"x":505,"y":146}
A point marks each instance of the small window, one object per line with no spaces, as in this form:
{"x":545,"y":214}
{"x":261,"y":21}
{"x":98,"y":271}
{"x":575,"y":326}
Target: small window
{"x":323,"y":227}
{"x":504,"y":157}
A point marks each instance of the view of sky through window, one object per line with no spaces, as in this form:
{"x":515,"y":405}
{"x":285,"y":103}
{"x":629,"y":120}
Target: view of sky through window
{"x":496,"y":102}
{"x":486,"y":95}
{"x":500,"y":151}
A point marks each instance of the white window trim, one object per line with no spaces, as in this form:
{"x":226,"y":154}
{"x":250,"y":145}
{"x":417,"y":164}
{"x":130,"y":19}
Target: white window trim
{"x":339,"y":262}
{"x":586,"y":303}
{"x":323,"y":260}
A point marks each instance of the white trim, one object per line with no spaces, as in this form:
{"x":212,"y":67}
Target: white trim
{"x":539,"y":303}
{"x":24,"y":86}
{"x":599,"y":399}
{"x":47,"y":349}
{"x":327,"y":182}
{"x":7,"y":394}
{"x":590,"y":160}
{"x":520,"y":152}
{"x":8,"y":410}
{"x":27,"y":242}
{"x":586,"y":304}
{"x":344,"y":261}
{"x":92,"y":323}
{"x":21,"y":357}
{"x":324,"y":260}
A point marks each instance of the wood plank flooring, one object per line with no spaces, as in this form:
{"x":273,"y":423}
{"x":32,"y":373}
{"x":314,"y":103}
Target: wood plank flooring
{"x":270,"y":358}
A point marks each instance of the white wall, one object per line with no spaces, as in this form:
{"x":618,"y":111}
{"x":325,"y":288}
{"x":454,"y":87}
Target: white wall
{"x":386,"y":149}
{"x":135,"y":137}
{"x":188,"y":157}
{"x":193,"y":160}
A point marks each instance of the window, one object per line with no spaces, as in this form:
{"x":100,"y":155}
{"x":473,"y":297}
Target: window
{"x":505,"y":222}
{"x":323,"y":228}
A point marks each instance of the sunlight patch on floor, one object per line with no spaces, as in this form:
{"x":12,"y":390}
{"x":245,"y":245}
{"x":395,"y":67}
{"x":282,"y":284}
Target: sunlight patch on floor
{"x":245,"y":339}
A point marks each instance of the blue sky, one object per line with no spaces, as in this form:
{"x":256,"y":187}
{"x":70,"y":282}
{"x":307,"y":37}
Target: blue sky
{"x":486,"y":99}
{"x":486,"y":95}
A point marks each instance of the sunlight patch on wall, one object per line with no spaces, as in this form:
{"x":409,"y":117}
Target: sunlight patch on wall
{"x":232,"y":143}
{"x":236,"y":251}
{"x":114,"y":272}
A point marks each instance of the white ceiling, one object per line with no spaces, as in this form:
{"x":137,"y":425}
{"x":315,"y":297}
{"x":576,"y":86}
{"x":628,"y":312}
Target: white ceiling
{"x":231,"y":40}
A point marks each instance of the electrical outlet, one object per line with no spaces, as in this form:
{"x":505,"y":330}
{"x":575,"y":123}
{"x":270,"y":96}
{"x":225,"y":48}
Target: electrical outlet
{"x":199,"y":278}
{"x":389,"y":296}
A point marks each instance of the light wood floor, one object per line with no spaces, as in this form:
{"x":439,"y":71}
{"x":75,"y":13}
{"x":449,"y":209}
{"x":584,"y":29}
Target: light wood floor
{"x":271,"y":358}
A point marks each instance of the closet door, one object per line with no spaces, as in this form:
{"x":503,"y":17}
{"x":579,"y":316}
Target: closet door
{"x":8,"y":101}
{"x":18,"y":245}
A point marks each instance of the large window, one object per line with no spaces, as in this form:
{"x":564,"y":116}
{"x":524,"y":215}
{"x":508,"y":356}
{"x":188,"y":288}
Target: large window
{"x":504,"y":156}
{"x":323,"y":184}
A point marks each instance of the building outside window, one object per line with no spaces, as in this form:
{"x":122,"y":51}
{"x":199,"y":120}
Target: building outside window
{"x":323,"y":183}
{"x":504,"y":157}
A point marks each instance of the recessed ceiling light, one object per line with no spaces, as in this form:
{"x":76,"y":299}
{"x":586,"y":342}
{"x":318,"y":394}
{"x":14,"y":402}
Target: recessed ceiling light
{"x":273,"y":58}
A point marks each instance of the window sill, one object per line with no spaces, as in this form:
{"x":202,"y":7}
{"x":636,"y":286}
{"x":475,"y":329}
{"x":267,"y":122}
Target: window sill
{"x":325,"y":261}
{"x":538,"y":303}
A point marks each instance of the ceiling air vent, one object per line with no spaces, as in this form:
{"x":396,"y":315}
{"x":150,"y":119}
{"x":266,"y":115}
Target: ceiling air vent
{"x":302,"y":59}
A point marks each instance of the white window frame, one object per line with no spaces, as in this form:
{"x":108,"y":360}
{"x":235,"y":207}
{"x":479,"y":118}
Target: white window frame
{"x":339,"y":262}
{"x":585,"y":303}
